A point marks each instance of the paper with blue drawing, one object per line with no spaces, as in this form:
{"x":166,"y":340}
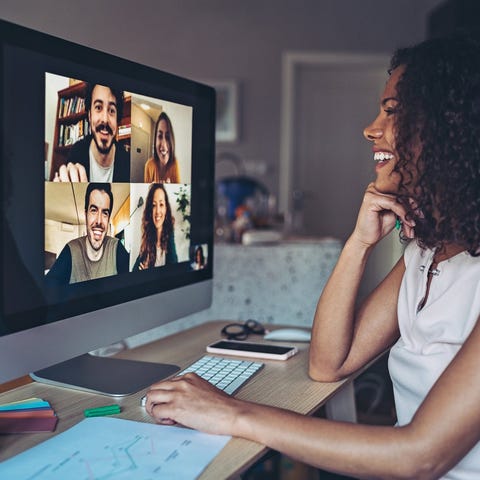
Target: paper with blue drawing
{"x":117,"y":449}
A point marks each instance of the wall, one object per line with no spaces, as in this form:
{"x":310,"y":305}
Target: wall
{"x":145,"y":125}
{"x":231,"y":40}
{"x":57,"y":235}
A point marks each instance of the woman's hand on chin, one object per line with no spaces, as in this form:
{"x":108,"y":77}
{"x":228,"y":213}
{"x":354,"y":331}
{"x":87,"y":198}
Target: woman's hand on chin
{"x":378,"y":216}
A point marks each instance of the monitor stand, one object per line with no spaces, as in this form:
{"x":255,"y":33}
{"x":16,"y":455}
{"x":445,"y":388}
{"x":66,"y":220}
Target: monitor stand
{"x":108,"y":376}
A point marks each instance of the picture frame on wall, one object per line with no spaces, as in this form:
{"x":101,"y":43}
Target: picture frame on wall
{"x":227,"y":111}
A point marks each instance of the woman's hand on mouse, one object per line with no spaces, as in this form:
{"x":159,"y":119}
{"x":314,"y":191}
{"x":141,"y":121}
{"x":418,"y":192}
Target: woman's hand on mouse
{"x":191,"y":401}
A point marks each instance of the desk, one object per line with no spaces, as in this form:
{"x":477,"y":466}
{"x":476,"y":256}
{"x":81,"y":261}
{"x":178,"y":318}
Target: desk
{"x":282,"y":384}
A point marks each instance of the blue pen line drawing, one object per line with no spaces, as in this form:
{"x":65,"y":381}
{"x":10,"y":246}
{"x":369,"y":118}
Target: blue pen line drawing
{"x":105,"y":448}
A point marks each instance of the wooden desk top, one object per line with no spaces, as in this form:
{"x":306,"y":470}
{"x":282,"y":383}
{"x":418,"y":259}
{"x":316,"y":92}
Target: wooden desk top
{"x":282,"y":384}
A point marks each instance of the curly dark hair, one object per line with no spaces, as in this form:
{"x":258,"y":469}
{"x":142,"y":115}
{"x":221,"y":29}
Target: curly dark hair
{"x":439,"y":109}
{"x":148,"y":249}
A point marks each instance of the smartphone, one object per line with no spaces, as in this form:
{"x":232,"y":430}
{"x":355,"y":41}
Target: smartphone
{"x":248,"y":349}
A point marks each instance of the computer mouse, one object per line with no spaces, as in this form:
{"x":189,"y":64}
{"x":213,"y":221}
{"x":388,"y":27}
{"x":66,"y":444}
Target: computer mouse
{"x":289,"y":334}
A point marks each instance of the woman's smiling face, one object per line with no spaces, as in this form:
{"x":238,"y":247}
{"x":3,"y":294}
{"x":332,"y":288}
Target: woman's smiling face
{"x":382,"y":133}
{"x":159,"y":208}
{"x":163,"y":142}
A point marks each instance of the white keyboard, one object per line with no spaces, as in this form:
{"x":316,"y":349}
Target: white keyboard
{"x":227,"y":374}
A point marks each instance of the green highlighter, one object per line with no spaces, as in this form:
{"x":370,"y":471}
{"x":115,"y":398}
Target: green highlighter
{"x":102,"y":411}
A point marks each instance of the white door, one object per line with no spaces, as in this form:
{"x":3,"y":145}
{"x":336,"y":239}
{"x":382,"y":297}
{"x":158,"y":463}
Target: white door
{"x":326,"y":161}
{"x":140,"y":152}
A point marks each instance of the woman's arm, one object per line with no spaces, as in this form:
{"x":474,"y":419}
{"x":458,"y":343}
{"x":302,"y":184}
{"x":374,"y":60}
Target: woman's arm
{"x":445,"y":428}
{"x":137,"y":265}
{"x":149,"y":171}
{"x":344,"y":340}
{"x":174,"y":173}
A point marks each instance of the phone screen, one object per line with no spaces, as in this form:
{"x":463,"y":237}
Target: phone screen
{"x":251,"y":347}
{"x":261,"y":350}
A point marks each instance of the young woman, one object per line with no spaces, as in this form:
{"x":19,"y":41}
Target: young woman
{"x":426,"y":147}
{"x":158,"y":242}
{"x":199,"y":258}
{"x":163,"y":166}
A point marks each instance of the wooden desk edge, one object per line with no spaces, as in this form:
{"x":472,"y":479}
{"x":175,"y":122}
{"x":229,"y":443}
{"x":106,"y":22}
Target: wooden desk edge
{"x":12,"y":384}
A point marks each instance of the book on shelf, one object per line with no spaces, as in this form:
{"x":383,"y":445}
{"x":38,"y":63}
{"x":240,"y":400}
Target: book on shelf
{"x":124,"y":130}
{"x":69,"y":134}
{"x":71,"y":106}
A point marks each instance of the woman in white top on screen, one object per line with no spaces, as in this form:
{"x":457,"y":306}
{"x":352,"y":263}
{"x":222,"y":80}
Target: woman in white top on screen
{"x":426,"y":144}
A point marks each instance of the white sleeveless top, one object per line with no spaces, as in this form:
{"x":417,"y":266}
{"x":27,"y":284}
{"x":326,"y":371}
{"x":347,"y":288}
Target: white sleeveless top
{"x":430,"y":338}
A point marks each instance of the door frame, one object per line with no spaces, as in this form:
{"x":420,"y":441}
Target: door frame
{"x":291,"y":62}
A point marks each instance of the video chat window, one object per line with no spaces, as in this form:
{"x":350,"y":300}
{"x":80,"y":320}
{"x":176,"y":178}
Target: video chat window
{"x":117,"y":181}
{"x":160,"y":129}
{"x":199,"y":256}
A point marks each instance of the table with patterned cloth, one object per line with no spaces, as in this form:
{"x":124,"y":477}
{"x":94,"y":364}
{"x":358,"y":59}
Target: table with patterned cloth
{"x":277,"y":284}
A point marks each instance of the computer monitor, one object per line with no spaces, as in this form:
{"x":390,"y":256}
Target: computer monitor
{"x":78,"y":271}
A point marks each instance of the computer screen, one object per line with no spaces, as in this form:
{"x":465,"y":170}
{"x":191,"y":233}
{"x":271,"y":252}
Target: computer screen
{"x":108,"y":191}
